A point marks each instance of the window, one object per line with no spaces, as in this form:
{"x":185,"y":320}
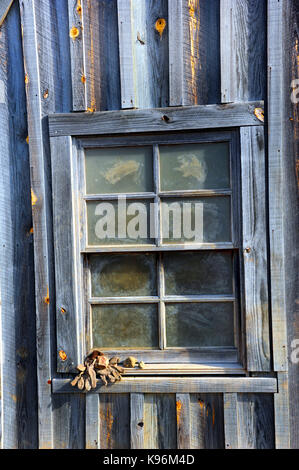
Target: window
{"x":151,"y":263}
{"x":159,"y":242}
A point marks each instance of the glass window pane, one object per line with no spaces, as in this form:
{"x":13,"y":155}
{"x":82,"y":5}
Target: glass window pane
{"x":198,"y":273}
{"x":119,"y":170}
{"x":201,"y":220}
{"x":199,"y":324}
{"x":195,"y":166}
{"x":125,"y":326}
{"x":123,"y":275}
{"x":119,"y":223}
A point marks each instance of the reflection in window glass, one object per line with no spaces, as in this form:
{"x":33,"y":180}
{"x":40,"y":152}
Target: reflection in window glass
{"x":119,"y":170}
{"x":123,"y":275}
{"x":201,"y":220}
{"x":119,"y":222}
{"x":199,"y":324}
{"x":125,"y":326}
{"x":198,"y":273}
{"x":195,"y":166}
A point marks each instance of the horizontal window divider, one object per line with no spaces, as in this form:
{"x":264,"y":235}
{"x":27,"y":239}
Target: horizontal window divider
{"x":198,"y":192}
{"x":166,"y":299}
{"x":110,"y":196}
{"x":165,"y":247}
{"x":198,"y":298}
{"x":123,"y":300}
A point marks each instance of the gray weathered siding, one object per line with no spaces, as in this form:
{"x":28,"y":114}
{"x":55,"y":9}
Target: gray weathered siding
{"x":63,"y":56}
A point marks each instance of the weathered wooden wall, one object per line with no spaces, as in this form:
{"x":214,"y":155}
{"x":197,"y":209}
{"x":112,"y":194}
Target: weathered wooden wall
{"x":63,"y":56}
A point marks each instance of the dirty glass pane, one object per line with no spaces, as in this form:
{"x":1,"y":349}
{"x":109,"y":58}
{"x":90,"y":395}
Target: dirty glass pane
{"x":195,"y":166}
{"x":198,"y":273}
{"x":200,"y":220}
{"x":199,"y":324}
{"x":123,"y":275}
{"x":119,"y":222}
{"x":119,"y":170}
{"x":125,"y":326}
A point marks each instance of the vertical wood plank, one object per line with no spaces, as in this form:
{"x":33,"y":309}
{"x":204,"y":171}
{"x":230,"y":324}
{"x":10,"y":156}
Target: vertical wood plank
{"x":137,"y":420}
{"x":67,"y":267}
{"x":276,"y":169}
{"x":150,"y":52}
{"x":77,"y":51}
{"x":256,"y":421}
{"x":243,"y":50}
{"x":230,"y":403}
{"x":92,"y":425}
{"x":114,"y":421}
{"x":69,"y":421}
{"x":143,"y":37}
{"x":160,"y":421}
{"x":176,"y":54}
{"x":18,"y":401}
{"x":126,"y":54}
{"x":282,"y":412}
{"x":207,"y":421}
{"x":194,"y":52}
{"x":255,"y":248}
{"x":183,"y":418}
{"x":41,"y":211}
{"x":47,"y":78}
{"x":92,"y":46}
{"x":291,"y":151}
{"x":102,"y":55}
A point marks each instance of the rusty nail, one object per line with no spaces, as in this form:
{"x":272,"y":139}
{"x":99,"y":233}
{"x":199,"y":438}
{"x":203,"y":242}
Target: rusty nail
{"x":74,"y":32}
{"x":62,"y":355}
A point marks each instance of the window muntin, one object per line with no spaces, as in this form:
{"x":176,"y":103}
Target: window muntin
{"x":169,"y":308}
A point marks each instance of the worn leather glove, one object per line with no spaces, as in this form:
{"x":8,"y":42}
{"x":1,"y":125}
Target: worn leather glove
{"x":96,"y":363}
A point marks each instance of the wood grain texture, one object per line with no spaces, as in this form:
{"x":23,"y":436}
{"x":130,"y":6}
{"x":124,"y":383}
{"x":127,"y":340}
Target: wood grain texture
{"x":159,"y":421}
{"x":255,"y":421}
{"x":137,"y":420}
{"x":18,"y":401}
{"x":4,"y":9}
{"x":243,"y":50}
{"x":162,"y":119}
{"x":114,"y":421}
{"x":183,"y":418}
{"x":255,"y":248}
{"x":194,"y":52}
{"x":207,"y":421}
{"x":282,"y":412}
{"x":127,"y":77}
{"x":102,"y":55}
{"x":143,"y":47}
{"x":92,"y":424}
{"x":276,"y":170}
{"x":47,"y":90}
{"x":178,"y":385}
{"x":291,"y":152}
{"x":77,"y":52}
{"x":69,"y":422}
{"x":230,"y":403}
{"x":67,"y":262}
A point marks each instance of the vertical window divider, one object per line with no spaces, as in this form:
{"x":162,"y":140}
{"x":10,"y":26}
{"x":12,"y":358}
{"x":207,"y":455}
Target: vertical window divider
{"x":158,"y":236}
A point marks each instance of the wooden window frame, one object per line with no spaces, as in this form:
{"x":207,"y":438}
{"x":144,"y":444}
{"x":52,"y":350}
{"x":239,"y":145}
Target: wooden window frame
{"x":69,"y":135}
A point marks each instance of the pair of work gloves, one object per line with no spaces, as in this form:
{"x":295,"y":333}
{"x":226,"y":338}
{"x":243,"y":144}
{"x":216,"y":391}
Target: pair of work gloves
{"x":97,"y":364}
